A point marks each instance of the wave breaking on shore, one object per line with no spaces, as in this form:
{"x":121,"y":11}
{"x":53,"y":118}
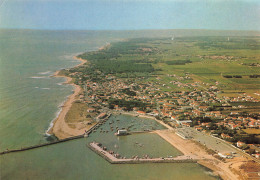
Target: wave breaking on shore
{"x":56,"y":116}
{"x":60,"y":110}
{"x":39,"y":77}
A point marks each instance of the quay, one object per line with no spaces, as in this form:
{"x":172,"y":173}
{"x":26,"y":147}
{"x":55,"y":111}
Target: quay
{"x":115,"y":160}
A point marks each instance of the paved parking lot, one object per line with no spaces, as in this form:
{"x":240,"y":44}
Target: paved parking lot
{"x":207,"y":140}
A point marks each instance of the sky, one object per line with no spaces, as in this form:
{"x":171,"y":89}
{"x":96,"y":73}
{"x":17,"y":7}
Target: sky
{"x":130,"y":14}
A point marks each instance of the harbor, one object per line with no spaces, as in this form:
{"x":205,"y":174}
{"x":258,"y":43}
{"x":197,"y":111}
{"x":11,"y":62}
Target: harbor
{"x":113,"y":158}
{"x":148,"y":151}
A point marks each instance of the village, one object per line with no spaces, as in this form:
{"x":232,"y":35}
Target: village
{"x":200,"y":109}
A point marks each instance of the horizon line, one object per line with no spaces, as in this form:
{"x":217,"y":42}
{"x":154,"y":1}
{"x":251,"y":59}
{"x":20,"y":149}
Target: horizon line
{"x":38,"y":29}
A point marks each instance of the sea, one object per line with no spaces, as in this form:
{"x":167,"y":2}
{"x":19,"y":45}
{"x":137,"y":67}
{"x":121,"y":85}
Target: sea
{"x":31,"y":98}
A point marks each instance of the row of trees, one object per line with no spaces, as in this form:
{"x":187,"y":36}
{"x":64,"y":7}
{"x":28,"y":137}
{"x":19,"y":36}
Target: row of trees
{"x":178,"y":62}
{"x":127,"y":105}
{"x":234,"y":76}
{"x":127,"y":66}
{"x":107,"y":60}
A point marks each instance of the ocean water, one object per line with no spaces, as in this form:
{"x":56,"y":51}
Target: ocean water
{"x":30,"y":100}
{"x":29,"y":96}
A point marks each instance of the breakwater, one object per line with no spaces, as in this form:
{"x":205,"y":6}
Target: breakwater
{"x":40,"y":145}
{"x":113,"y":158}
{"x":55,"y":142}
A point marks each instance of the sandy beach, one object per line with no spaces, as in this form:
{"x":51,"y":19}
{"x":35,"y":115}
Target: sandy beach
{"x":189,"y":148}
{"x":60,"y":128}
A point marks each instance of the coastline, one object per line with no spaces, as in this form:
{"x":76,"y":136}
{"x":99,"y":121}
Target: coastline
{"x":58,"y":126}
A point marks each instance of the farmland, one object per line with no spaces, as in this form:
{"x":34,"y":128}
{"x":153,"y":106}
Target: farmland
{"x":230,"y":63}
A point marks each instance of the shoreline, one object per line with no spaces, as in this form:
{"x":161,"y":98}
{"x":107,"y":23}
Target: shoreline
{"x":58,"y":126}
{"x":187,"y":147}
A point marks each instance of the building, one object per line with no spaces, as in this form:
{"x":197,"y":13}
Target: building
{"x":90,"y":110}
{"x":240,"y":144}
{"x":181,"y":122}
{"x":225,"y":155}
{"x":102,"y":115}
{"x":121,"y":132}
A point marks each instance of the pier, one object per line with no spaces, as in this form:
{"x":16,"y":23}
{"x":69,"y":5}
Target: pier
{"x":113,"y":158}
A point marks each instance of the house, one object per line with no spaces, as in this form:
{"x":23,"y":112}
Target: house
{"x":240,"y":144}
{"x":173,"y":117}
{"x":225,"y":136}
{"x":141,"y":112}
{"x":91,"y":110}
{"x":198,"y":128}
{"x":102,"y":115}
{"x":203,"y":108}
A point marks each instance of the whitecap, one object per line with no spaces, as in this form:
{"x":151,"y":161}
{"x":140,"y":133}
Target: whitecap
{"x":36,"y":87}
{"x":46,"y":88}
{"x":210,"y":173}
{"x":47,"y":72}
{"x":67,"y":57}
{"x":57,"y":115}
{"x":39,"y":77}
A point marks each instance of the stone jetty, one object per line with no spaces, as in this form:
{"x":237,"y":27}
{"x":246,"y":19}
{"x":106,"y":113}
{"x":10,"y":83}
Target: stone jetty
{"x":113,"y":158}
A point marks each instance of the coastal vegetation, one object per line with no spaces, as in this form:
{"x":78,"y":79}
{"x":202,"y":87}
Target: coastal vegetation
{"x":78,"y":115}
{"x":178,"y":62}
{"x":127,"y":105}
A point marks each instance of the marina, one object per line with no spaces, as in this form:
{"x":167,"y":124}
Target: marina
{"x":115,"y":158}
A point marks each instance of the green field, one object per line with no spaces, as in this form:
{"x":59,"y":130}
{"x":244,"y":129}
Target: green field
{"x":205,"y":60}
